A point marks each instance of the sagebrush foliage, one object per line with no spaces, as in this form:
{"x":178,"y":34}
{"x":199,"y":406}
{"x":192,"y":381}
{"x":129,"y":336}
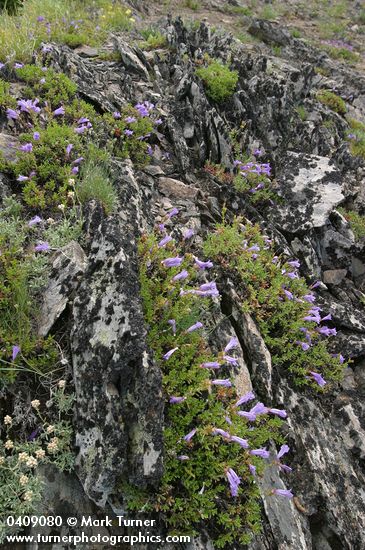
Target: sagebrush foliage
{"x":219,"y":80}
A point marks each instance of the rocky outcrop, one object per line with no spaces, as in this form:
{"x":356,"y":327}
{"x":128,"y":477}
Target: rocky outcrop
{"x":119,"y":406}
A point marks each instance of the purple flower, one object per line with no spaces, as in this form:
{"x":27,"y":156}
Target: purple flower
{"x":294,"y":263}
{"x":233,"y":343}
{"x":172,"y":213}
{"x":11,"y":114}
{"x":42,"y":247}
{"x":318,"y":378}
{"x":222,"y":382}
{"x":182,"y":457}
{"x":174,"y":400}
{"x":285,"y":468}
{"x":223,"y":433}
{"x":158,"y":121}
{"x":172,"y":322}
{"x":36,"y":136}
{"x":283,"y":493}
{"x":245,"y":398}
{"x":293,"y":275}
{"x":254,"y":248}
{"x":169,"y":353}
{"x":190,"y":435}
{"x":259,"y":408}
{"x":315,"y":285}
{"x":257,"y":152}
{"x":283,"y":450}
{"x":203,"y":265}
{"x":242,"y":442}
{"x":18,"y":65}
{"x":249,"y":415}
{"x":34,"y":434}
{"x":230,"y":360}
{"x":327,"y":318}
{"x":188,"y":233}
{"x":75,"y":170}
{"x":182,"y":275}
{"x":42,"y":81}
{"x":27,"y":148}
{"x":233,"y":481}
{"x":80,"y":130}
{"x":263,"y":453}
{"x":59,"y":112}
{"x":128,"y":132}
{"x":22,"y":178}
{"x":172,"y":262}
{"x":78,"y":160}
{"x":2,"y":65}
{"x":69,"y":149}
{"x":83,"y":120}
{"x":288,"y":294}
{"x":341,"y":358}
{"x":40,"y":18}
{"x":252,"y":469}
{"x":303,"y":345}
{"x":34,"y":221}
{"x":228,"y":420}
{"x":196,"y":326}
{"x":309,"y":298}
{"x":210,"y":365}
{"x":130,"y":119}
{"x":27,"y":105}
{"x":278,"y":412}
{"x":164,"y":241}
{"x":16,"y":350}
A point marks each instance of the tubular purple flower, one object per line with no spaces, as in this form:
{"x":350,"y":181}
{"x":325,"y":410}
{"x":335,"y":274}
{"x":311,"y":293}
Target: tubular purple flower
{"x":172,"y":262}
{"x":211,"y":365}
{"x":173,"y":400}
{"x":196,"y":326}
{"x":128,"y":132}
{"x":247,"y":414}
{"x":172,"y":322}
{"x":242,"y":442}
{"x":78,"y":160}
{"x":130,"y":119}
{"x":309,"y":298}
{"x":169,"y":353}
{"x":182,"y":275}
{"x":190,"y":435}
{"x":313,"y":318}
{"x":245,"y":398}
{"x":263,"y":453}
{"x":18,"y":65}
{"x":252,"y":469}
{"x":283,"y":493}
{"x":283,"y":450}
{"x":80,"y":130}
{"x":254,"y":248}
{"x":228,"y":420}
{"x":259,"y":408}
{"x":69,"y":149}
{"x":59,"y":112}
{"x":230,"y":360}
{"x":183,"y":457}
{"x":75,"y":170}
{"x":223,"y":433}
{"x":22,"y":178}
{"x":285,"y":468}
{"x":278,"y":412}
{"x":288,"y":294}
{"x":294,"y":263}
{"x":173,"y":212}
{"x":203,"y":265}
{"x":341,"y":358}
{"x":16,"y":350}
{"x":318,"y":378}
{"x":233,"y":481}
{"x":42,"y":247}
{"x":293,"y":275}
{"x":188,"y":233}
{"x":233,"y":343}
{"x":117,"y":115}
{"x":34,"y":221}
{"x":27,"y":148}
{"x":222,"y":382}
{"x":11,"y":114}
{"x":327,"y":318}
{"x":36,"y":136}
{"x":164,"y":241}
{"x":315,"y":285}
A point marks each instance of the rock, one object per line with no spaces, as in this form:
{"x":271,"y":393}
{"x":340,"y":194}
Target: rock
{"x":311,"y":187}
{"x":176,"y":189}
{"x":87,"y":51}
{"x":334,"y":276}
{"x":9,"y":145}
{"x":68,"y":265}
{"x":132,"y":58}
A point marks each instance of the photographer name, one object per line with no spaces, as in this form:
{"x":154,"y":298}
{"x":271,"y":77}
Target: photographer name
{"x":120,"y":521}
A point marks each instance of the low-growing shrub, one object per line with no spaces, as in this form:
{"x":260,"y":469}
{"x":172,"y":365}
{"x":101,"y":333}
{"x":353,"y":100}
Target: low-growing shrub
{"x":356,"y":138}
{"x":219,"y":80}
{"x":153,"y":39}
{"x":95,"y":183}
{"x":332,"y":100}
{"x":281,"y":303}
{"x":356,"y":221}
{"x":212,"y":450}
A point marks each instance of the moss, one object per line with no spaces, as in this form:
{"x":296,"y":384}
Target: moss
{"x":219,"y":80}
{"x":303,"y":115}
{"x":332,"y":100}
{"x":356,"y":221}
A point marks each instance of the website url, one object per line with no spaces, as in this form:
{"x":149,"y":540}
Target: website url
{"x":113,"y":540}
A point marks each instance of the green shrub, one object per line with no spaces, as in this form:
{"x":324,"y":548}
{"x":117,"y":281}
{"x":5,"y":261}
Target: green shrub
{"x":10,"y":6}
{"x":302,"y":112}
{"x":332,"y":100}
{"x":55,"y":88}
{"x":96,"y":184}
{"x":6,"y":100}
{"x":195,"y":491}
{"x":192,"y":4}
{"x":356,"y":138}
{"x":153,"y":39}
{"x":219,"y":80}
{"x":250,"y":258}
{"x":356,"y":221}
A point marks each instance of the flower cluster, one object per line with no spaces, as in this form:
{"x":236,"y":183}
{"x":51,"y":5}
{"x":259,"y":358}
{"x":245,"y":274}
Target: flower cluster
{"x":211,"y":434}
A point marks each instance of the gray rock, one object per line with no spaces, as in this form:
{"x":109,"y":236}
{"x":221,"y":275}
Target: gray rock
{"x":334,"y":276}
